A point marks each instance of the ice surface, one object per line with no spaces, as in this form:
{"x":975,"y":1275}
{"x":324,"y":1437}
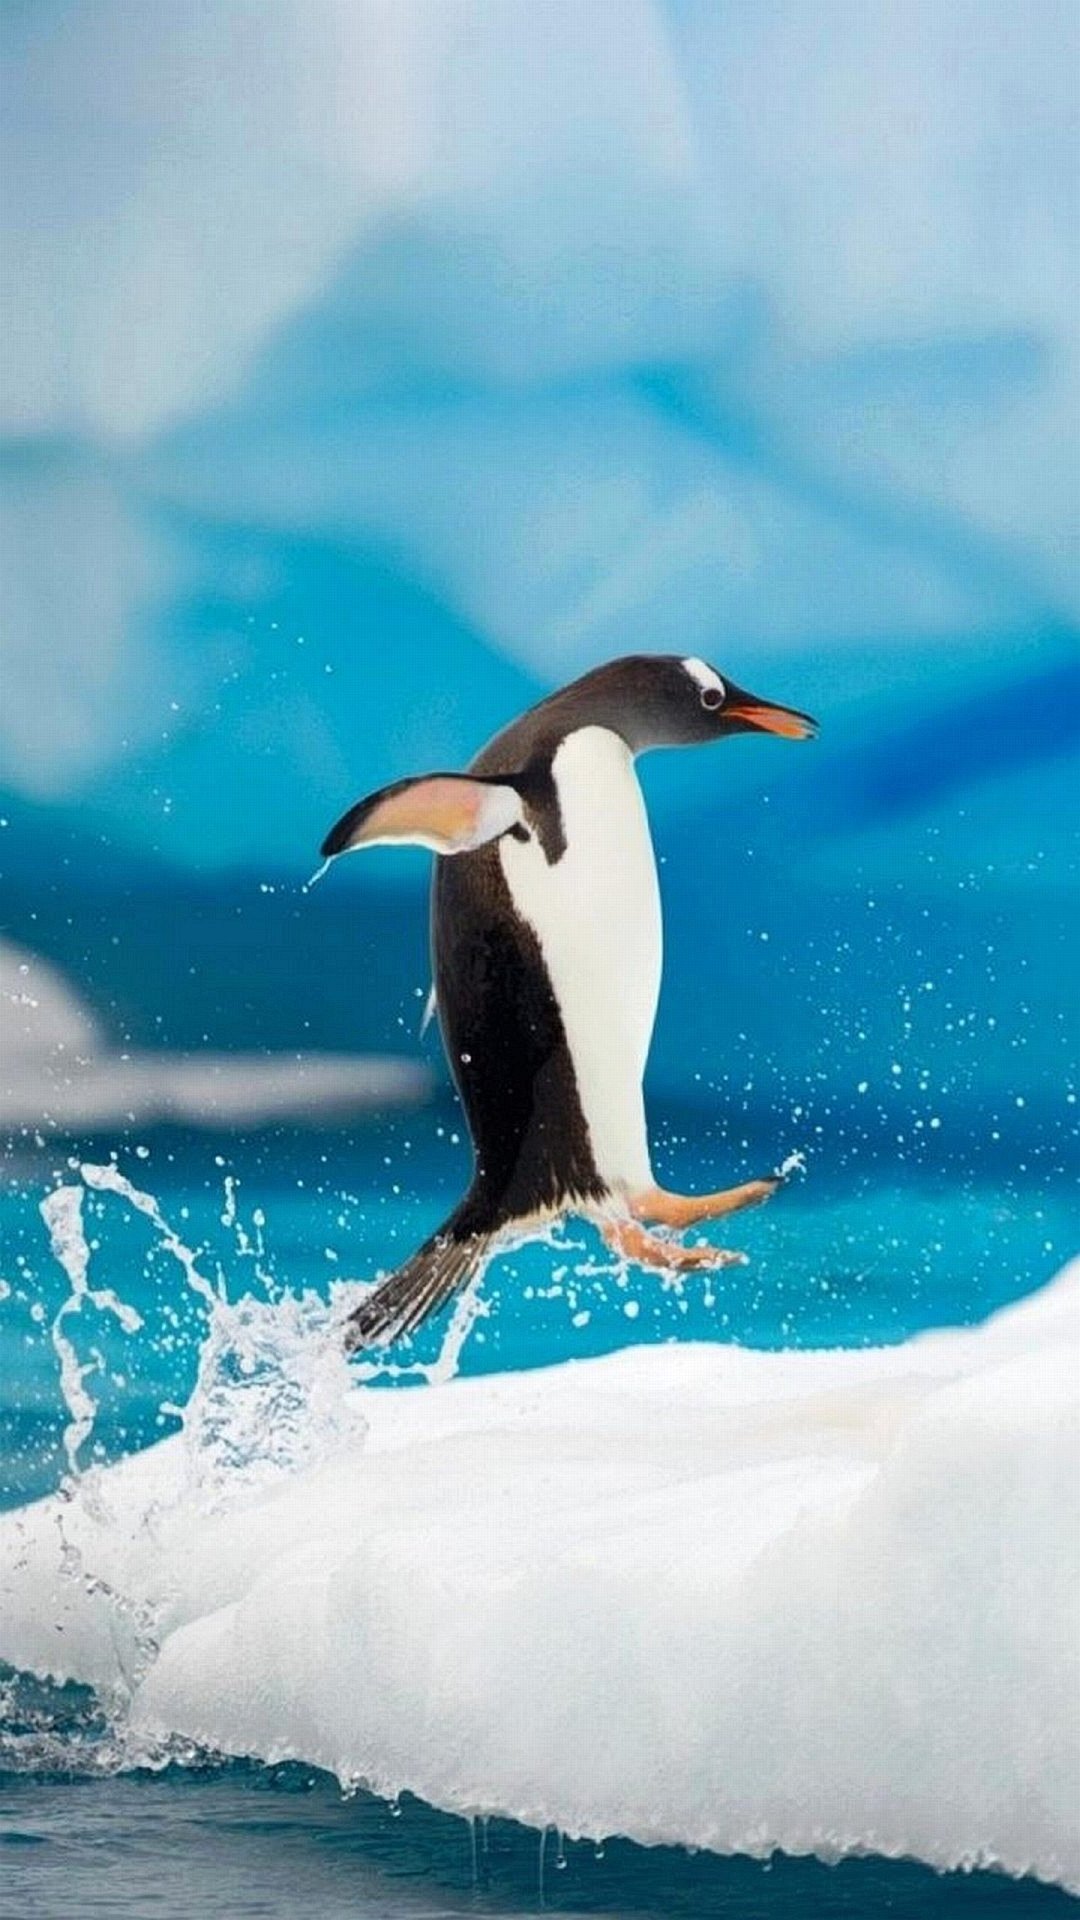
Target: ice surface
{"x":824,"y":1601}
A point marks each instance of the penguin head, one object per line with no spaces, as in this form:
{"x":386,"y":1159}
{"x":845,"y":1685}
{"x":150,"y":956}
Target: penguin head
{"x":663,"y":700}
{"x":714,"y":707}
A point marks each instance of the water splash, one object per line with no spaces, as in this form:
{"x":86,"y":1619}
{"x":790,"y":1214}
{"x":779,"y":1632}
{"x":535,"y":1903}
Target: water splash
{"x":229,"y":1210}
{"x":314,"y":879}
{"x":469,"y":1307}
{"x":136,"y":1623}
{"x":109,"y":1179}
{"x":274,"y":1394}
{"x":62,"y":1211}
{"x":250,"y":1244}
{"x":792,"y":1163}
{"x":46,"y":1727}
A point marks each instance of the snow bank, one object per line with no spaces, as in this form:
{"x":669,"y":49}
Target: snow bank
{"x":56,"y":1071}
{"x":822,"y":1601}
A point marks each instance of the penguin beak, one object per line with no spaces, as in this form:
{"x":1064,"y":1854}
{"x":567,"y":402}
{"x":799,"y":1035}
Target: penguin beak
{"x":764,"y":716}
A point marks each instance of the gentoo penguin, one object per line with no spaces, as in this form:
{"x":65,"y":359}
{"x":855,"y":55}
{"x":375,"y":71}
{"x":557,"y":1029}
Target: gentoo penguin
{"x":546,"y":938}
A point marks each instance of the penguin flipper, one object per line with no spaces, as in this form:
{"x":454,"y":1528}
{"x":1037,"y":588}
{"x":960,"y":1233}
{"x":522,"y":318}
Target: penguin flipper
{"x":406,"y":1298}
{"x":448,"y":812}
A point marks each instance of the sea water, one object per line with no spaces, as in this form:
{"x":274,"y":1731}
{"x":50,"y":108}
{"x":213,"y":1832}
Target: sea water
{"x":191,"y":1290}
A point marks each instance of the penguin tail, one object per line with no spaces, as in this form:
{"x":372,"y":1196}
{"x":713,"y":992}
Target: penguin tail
{"x":406,"y":1298}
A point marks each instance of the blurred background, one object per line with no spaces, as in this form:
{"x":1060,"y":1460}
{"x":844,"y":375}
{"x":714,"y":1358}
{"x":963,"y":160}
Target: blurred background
{"x":373,"y":366}
{"x":370,"y":368}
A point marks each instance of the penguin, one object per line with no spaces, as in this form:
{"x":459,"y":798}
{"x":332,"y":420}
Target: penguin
{"x":546,"y":945}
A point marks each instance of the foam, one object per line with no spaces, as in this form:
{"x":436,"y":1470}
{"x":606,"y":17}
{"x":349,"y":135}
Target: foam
{"x":822,"y":1601}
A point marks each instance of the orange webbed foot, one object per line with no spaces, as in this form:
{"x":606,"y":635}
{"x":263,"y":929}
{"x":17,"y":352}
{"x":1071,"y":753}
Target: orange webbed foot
{"x":681,"y":1210}
{"x":631,"y":1241}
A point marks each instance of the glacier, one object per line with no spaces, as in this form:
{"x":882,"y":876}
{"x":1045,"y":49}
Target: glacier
{"x":733,"y":324}
{"x":819,"y":1601}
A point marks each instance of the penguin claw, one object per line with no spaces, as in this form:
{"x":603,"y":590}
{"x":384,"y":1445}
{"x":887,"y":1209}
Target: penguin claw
{"x":704,"y":1256}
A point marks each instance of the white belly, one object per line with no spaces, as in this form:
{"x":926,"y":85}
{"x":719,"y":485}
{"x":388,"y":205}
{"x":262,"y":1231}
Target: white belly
{"x":596,"y":913}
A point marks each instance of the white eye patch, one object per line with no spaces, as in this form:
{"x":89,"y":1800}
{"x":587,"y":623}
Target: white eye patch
{"x":707,"y":680}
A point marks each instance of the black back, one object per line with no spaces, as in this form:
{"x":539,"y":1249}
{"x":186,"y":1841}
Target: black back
{"x":507,"y":1049}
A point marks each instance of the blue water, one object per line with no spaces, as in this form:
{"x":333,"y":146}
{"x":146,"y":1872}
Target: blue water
{"x":856,"y":1252}
{"x":236,"y":1839}
{"x":854,"y":1256}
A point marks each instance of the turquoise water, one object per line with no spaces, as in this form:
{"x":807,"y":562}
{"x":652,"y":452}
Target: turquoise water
{"x":857,"y":1255}
{"x":854,"y":1257}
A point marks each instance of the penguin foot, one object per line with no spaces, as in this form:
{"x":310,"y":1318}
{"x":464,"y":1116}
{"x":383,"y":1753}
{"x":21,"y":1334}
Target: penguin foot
{"x":630,"y":1241}
{"x":682,"y":1210}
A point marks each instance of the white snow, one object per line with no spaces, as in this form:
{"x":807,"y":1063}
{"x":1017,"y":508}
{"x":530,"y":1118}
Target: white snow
{"x":823,"y":1601}
{"x":57,"y":1071}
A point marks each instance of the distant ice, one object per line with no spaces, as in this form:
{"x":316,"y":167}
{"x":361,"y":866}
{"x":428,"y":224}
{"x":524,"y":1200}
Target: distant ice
{"x":625,"y":324}
{"x":566,"y":526}
{"x":191,"y":180}
{"x":57,"y":1071}
{"x":739,"y":1600}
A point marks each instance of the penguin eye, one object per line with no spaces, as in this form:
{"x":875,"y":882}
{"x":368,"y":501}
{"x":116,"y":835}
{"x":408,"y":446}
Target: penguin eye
{"x":712,"y":697}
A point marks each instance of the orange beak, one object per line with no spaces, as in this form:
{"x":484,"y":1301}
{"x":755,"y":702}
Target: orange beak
{"x":764,"y":717}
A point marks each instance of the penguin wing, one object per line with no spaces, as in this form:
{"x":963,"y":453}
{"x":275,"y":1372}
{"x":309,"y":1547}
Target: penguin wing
{"x":448,"y":812}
